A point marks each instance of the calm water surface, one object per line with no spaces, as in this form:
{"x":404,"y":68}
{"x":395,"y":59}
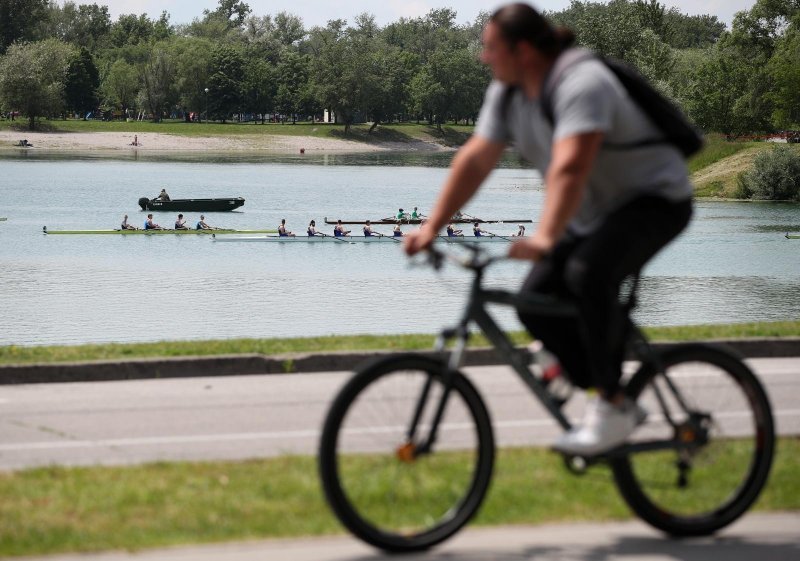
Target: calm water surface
{"x":733,"y":264}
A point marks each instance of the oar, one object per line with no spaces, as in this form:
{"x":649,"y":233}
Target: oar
{"x":394,"y":239}
{"x":336,"y":239}
{"x":496,"y":236}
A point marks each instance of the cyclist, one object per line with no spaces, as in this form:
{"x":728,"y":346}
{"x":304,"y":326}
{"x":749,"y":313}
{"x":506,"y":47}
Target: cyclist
{"x":606,"y":211}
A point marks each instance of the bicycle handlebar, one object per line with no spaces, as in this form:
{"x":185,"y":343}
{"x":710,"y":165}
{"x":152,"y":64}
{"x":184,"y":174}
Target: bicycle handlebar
{"x":476,"y":261}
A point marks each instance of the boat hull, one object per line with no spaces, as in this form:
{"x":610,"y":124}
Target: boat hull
{"x":191,"y":205}
{"x":418,"y":221}
{"x":359,"y":239}
{"x":155,"y":232}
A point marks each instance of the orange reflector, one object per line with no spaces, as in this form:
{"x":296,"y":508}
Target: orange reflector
{"x":407,"y":452}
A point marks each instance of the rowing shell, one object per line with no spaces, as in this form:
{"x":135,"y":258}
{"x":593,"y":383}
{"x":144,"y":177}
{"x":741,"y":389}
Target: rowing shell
{"x":793,"y":236}
{"x":359,"y":239}
{"x":419,"y":220}
{"x":151,"y":232}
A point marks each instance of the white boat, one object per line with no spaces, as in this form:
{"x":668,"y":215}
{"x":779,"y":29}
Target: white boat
{"x":359,"y":239}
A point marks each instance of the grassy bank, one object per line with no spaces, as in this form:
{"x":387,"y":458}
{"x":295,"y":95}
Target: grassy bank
{"x":13,"y":354}
{"x":450,"y":135}
{"x":89,"y":509}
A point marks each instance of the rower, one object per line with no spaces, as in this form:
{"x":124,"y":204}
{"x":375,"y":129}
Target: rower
{"x":452,"y":232}
{"x":201,"y":224}
{"x":397,"y":233}
{"x":162,"y":196}
{"x":401,"y":215}
{"x":521,"y":232}
{"x":338,"y":230}
{"x":368,"y":230}
{"x":415,"y":215}
{"x":180,"y":223}
{"x":476,"y":230}
{"x":312,"y":229}
{"x":282,"y":231}
{"x":125,"y":225}
{"x":150,"y":225}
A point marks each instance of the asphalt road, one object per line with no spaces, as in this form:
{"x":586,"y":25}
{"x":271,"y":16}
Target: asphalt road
{"x":240,"y":417}
{"x":761,"y":537}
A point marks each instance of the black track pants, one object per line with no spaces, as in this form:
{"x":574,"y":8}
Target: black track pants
{"x":589,"y":271}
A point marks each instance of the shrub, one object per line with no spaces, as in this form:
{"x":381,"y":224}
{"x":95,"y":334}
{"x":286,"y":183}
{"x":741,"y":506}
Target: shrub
{"x":775,"y":175}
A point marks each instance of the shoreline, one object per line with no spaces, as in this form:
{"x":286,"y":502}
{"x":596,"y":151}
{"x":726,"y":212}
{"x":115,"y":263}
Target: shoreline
{"x":155,"y":142}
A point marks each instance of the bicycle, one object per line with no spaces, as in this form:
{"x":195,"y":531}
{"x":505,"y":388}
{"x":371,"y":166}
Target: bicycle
{"x":407,"y":448}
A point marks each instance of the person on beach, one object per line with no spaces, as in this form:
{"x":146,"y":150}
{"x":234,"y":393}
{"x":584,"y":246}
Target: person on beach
{"x":135,"y":140}
{"x":150,"y":225}
{"x":126,"y":225}
{"x":201,"y":224}
{"x":312,"y":229}
{"x":180,"y":223}
{"x":282,"y":231}
{"x":338,"y":230}
{"x":607,"y":211}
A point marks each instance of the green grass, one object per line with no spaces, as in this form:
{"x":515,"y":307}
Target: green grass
{"x":451,"y":135}
{"x":716,"y":149}
{"x":13,"y":354}
{"x":54,"y":510}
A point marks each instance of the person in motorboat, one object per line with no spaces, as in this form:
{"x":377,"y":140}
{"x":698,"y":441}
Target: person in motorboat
{"x":282,"y":231}
{"x":125,"y":225}
{"x":476,"y":230}
{"x":180,"y":223}
{"x":150,"y":225}
{"x":520,"y":233}
{"x":397,"y":233}
{"x":163,"y":196}
{"x":452,"y":232}
{"x":338,"y":230}
{"x":368,"y":230}
{"x":201,"y":224}
{"x":312,"y":229}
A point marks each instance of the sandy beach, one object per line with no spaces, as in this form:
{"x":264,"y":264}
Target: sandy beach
{"x":158,"y":142}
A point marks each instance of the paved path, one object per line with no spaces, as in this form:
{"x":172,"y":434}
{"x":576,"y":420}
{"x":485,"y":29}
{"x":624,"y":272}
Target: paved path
{"x":758,"y":537}
{"x":138,"y":421}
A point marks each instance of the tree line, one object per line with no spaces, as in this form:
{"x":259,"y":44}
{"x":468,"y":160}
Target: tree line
{"x":230,"y":63}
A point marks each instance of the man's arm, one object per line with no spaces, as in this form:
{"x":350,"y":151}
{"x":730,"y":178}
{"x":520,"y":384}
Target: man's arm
{"x":473,"y":162}
{"x":565,"y":181}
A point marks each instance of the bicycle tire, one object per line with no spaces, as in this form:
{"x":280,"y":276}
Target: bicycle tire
{"x":395,"y":519}
{"x":743,"y":455}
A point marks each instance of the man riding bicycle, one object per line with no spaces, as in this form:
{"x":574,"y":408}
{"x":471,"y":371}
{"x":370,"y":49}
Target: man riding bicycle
{"x":607,"y":210}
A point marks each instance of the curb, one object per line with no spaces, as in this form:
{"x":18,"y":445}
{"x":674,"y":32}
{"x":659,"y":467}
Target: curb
{"x":252,"y":364}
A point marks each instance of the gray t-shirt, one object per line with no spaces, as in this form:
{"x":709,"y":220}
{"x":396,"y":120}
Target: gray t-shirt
{"x":589,"y":98}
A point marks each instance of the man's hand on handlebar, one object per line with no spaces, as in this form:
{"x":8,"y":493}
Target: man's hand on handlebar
{"x":418,"y":240}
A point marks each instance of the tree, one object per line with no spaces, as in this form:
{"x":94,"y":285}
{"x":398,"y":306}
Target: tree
{"x":18,"y":20}
{"x":292,"y":95}
{"x":87,"y":25}
{"x":234,"y":12}
{"x":157,"y":77}
{"x":260,"y":85}
{"x":32,"y":77}
{"x":784,"y":69}
{"x":192,"y":56}
{"x":82,"y":84}
{"x":226,"y":82}
{"x":121,"y":85}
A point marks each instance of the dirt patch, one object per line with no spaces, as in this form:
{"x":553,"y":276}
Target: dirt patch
{"x":719,"y":179}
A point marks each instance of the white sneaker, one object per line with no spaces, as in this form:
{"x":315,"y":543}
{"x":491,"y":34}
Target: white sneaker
{"x":605,"y":426}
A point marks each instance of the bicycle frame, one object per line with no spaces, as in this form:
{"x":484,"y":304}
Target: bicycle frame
{"x":519,"y":360}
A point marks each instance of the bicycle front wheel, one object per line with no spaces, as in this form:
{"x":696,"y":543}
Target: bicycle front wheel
{"x":380,"y":482}
{"x":715,"y":411}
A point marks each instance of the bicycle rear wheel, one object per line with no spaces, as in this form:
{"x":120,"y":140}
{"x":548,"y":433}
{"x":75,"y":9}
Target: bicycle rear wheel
{"x":727,"y":430}
{"x":378,"y":483}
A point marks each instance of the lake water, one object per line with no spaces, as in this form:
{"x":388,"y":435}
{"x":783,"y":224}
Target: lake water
{"x":732,"y":265}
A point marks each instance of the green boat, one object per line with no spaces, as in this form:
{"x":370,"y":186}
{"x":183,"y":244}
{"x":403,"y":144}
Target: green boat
{"x":157,"y":232}
{"x":793,"y":236}
{"x":3,"y":218}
